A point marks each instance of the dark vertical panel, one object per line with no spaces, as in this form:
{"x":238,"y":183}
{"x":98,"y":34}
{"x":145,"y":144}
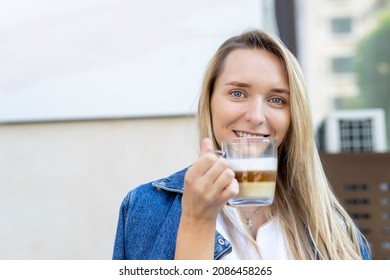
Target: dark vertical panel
{"x":285,"y":17}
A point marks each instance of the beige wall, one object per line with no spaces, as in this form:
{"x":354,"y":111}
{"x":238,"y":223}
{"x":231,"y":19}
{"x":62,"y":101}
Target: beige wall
{"x":62,"y":183}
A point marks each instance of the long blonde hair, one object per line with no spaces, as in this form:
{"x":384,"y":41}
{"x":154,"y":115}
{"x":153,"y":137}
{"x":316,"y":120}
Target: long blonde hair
{"x":314,"y":223}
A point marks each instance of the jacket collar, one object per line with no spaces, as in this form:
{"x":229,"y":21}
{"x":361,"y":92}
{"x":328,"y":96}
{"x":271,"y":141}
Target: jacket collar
{"x":173,"y":183}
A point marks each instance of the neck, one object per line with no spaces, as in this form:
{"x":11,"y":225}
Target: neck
{"x":254,"y":217}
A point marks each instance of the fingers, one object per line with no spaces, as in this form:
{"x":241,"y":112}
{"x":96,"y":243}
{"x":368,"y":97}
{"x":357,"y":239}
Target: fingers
{"x":226,"y":186}
{"x":204,"y":163}
{"x":205,"y":160}
{"x":220,"y":173}
{"x":213,"y":169}
{"x":209,"y":184}
{"x":210,"y":174}
{"x":230,"y":191}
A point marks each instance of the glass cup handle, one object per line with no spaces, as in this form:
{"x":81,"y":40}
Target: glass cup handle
{"x":218,"y":153}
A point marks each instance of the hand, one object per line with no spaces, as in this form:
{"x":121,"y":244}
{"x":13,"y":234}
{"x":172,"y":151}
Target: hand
{"x":208,"y":184}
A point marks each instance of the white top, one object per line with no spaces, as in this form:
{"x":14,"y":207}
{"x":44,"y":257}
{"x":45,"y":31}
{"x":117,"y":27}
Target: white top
{"x":269,"y":238}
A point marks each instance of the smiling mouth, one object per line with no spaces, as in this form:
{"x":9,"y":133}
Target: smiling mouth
{"x":243,"y":134}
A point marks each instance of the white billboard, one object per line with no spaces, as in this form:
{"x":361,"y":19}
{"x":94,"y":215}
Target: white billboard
{"x":64,"y":60}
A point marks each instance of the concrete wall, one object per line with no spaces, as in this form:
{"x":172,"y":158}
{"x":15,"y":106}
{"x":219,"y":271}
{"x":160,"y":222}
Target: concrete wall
{"x":62,"y":183}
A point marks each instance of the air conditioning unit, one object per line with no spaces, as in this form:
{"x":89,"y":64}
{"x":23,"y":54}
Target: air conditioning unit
{"x":353,"y":131}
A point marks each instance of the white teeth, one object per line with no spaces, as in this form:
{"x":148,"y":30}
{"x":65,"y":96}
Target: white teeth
{"x":244,"y":134}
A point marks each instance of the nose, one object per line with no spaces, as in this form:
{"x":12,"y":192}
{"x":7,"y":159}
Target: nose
{"x":255,"y":113}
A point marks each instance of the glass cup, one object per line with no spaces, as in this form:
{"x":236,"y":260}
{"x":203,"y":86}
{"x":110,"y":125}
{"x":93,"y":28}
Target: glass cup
{"x":254,"y":161}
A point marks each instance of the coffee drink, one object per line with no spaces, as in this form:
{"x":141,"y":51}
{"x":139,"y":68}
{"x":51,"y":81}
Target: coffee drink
{"x":256,"y":178}
{"x":254,"y":161}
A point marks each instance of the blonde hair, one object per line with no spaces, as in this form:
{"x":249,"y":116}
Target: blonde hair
{"x":314,"y":223}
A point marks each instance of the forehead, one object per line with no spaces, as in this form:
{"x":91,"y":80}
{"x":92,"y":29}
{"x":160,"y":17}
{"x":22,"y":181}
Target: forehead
{"x":251,"y":57}
{"x":253,"y":64}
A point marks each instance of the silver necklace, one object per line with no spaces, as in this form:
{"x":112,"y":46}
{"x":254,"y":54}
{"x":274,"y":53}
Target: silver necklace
{"x":248,"y":216}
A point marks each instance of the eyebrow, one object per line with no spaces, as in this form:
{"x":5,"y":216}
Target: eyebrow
{"x":239,"y":84}
{"x":245,"y":85}
{"x":281,"y":90}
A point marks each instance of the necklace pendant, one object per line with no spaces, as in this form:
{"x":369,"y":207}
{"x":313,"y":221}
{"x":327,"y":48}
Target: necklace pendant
{"x":249,"y":223}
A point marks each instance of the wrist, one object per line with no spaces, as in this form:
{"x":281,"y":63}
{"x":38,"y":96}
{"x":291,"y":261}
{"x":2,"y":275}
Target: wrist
{"x":198,"y":222}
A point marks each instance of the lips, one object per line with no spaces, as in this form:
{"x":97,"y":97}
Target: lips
{"x":245,"y":134}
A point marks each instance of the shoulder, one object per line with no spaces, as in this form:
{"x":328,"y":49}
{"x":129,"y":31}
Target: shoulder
{"x":149,"y":218}
{"x":155,"y":192}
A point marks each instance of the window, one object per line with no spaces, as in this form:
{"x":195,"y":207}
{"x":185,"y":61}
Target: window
{"x":341,"y":65}
{"x":341,"y":25}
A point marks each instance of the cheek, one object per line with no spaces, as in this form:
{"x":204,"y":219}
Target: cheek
{"x":285,"y":124}
{"x":213,"y":112}
{"x":217,"y":108}
{"x":215,"y":115}
{"x":281,"y":124}
{"x":217,"y":120}
{"x":220,"y":118}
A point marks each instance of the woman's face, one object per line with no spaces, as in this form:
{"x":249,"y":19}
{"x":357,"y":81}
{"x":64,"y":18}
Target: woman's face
{"x":251,"y":97}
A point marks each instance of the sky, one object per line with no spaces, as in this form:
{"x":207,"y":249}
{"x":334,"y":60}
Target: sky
{"x":63,"y":60}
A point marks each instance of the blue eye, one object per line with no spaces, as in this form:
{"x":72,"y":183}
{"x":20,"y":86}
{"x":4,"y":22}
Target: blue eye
{"x":237,"y":94}
{"x":277,"y":100}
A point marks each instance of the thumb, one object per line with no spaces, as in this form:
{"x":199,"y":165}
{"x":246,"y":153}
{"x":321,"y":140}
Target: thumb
{"x":206,"y":146}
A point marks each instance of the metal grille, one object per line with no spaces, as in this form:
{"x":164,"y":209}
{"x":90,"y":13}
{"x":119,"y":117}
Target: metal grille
{"x":356,"y":135}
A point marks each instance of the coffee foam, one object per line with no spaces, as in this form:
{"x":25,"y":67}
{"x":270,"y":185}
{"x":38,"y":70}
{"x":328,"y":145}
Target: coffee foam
{"x":252,"y":164}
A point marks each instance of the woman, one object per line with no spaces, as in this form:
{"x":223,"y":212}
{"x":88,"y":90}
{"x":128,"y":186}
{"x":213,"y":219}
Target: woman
{"x":253,"y":87}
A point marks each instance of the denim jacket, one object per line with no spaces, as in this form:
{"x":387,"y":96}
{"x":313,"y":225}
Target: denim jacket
{"x":149,"y":220}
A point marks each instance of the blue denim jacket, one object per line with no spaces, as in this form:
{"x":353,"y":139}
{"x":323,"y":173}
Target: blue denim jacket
{"x":149,"y":219}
